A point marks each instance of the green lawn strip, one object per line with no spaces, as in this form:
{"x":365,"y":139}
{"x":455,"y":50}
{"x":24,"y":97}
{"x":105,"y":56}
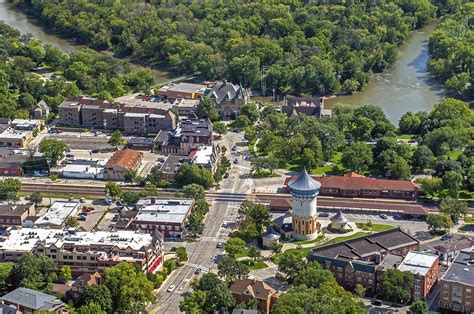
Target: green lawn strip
{"x":406,"y":136}
{"x":374,"y":227}
{"x":63,"y":196}
{"x":469,"y":219}
{"x":243,"y":254}
{"x":344,"y":238}
{"x":254,"y":265}
{"x":302,"y":242}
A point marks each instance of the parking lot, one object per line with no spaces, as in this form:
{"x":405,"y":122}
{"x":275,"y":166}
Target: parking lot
{"x":83,"y":141}
{"x":92,"y":217}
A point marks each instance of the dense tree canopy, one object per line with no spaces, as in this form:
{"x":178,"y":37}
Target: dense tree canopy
{"x":307,"y":47}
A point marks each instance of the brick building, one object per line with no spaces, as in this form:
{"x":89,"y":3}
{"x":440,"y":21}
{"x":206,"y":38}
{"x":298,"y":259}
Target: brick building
{"x":245,"y":290}
{"x":168,"y":216}
{"x":190,"y":134}
{"x":457,"y":284}
{"x":15,"y":214}
{"x":363,"y":260}
{"x":229,"y":98}
{"x":122,"y":161}
{"x":129,"y":118}
{"x":355,"y":185}
{"x":84,"y":251}
{"x":424,"y":267}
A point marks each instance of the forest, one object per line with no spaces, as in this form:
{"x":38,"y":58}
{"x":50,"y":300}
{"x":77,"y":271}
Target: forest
{"x":23,"y":60}
{"x":452,"y":51}
{"x":302,"y":46}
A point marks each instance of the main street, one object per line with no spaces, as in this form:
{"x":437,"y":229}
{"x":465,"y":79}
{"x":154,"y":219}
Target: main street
{"x":204,"y":254}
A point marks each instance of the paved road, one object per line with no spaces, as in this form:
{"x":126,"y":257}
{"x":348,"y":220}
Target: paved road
{"x":204,"y":254}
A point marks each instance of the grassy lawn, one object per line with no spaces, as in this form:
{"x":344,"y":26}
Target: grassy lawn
{"x":462,"y":194}
{"x":243,"y":254}
{"x":254,"y":265}
{"x":374,"y":227}
{"x":260,"y":174}
{"x":345,"y":238}
{"x":335,"y":168}
{"x":454,"y":154}
{"x":302,"y":242}
{"x":469,"y":219}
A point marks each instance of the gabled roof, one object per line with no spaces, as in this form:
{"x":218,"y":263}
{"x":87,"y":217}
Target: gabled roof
{"x":304,"y":182}
{"x":128,"y":159}
{"x":31,"y":299}
{"x":255,"y":288}
{"x":87,"y":279}
{"x":226,"y":92}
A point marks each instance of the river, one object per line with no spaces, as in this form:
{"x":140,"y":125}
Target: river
{"x":407,"y":86}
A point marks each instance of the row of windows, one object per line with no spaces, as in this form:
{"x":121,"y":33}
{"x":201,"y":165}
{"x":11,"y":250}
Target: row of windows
{"x":8,"y":220}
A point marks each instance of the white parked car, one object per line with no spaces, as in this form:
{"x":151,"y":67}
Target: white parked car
{"x":171,"y":288}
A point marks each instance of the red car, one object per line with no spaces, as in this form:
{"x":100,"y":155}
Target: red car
{"x":87,"y":209}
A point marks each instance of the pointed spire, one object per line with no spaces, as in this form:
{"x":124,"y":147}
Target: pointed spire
{"x":304,"y":182}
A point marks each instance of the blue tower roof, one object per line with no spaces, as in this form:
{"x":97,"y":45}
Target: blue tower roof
{"x":304,"y":185}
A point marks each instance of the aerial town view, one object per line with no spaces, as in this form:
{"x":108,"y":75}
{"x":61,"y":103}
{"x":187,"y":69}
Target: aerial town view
{"x":244,"y":157}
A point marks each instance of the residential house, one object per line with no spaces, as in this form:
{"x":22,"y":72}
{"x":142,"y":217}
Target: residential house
{"x":87,"y":280}
{"x":245,"y":290}
{"x":15,"y":214}
{"x":457,"y":284}
{"x":229,"y":98}
{"x":41,"y":110}
{"x":121,"y":162}
{"x":361,"y":260}
{"x":171,"y":165}
{"x":424,"y":266}
{"x":294,"y":106}
{"x":28,"y":301}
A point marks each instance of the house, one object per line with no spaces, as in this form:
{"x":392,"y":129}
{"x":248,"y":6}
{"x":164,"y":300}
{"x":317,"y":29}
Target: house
{"x":182,"y":90}
{"x":171,"y":165}
{"x":244,"y":290}
{"x":86,"y":280}
{"x":457,"y":284}
{"x":41,"y":110}
{"x":362,"y":260}
{"x":424,"y":266}
{"x":15,"y":214}
{"x":121,"y":162}
{"x":28,"y":301}
{"x":229,"y":98}
{"x":11,"y":161}
{"x":190,"y":134}
{"x":355,"y":185}
{"x":294,"y":106}
{"x":85,"y":251}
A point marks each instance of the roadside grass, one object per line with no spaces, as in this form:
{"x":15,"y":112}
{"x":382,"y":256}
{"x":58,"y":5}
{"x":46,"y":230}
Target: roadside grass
{"x":406,"y":136}
{"x":254,"y":265}
{"x":63,"y":196}
{"x":374,"y":227}
{"x":469,"y":219}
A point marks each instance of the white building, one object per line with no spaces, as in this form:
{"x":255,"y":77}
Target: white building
{"x":304,"y":191}
{"x":57,"y":214}
{"x":87,"y":170}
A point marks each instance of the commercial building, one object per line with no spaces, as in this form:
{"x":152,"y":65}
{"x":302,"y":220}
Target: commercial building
{"x":27,"y":300}
{"x":424,"y":266}
{"x":130,"y":119}
{"x":84,"y":169}
{"x":457,"y":284}
{"x":85,"y":251}
{"x":182,"y":90}
{"x":56,"y":215}
{"x":205,"y":157}
{"x":246,"y":290}
{"x":166,"y":215}
{"x":26,"y":124}
{"x":229,"y":98}
{"x":355,"y":185}
{"x":363,"y":260}
{"x":190,"y":134}
{"x":11,"y":161}
{"x":294,"y":106}
{"x":15,"y":138}
{"x":15,"y":214}
{"x":122,"y":161}
{"x":185,"y":107}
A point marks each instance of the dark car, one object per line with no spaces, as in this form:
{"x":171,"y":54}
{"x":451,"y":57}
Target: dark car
{"x":376,"y":303}
{"x":198,"y":271}
{"x":323,"y":214}
{"x":219,"y":245}
{"x":81,"y":218}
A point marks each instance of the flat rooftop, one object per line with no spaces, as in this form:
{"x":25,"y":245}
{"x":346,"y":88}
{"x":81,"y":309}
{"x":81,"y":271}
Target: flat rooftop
{"x":202,"y":155}
{"x":173,"y":163}
{"x":163,"y":209}
{"x":57,"y":213}
{"x":418,"y":262}
{"x":10,"y":133}
{"x":183,"y":88}
{"x":25,"y":239}
{"x":12,"y":158}
{"x":462,"y":269}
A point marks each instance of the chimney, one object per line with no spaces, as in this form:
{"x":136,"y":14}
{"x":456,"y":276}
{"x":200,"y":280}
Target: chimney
{"x":378,"y":258}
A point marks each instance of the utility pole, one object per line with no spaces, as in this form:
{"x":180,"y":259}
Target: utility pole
{"x":263,"y":79}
